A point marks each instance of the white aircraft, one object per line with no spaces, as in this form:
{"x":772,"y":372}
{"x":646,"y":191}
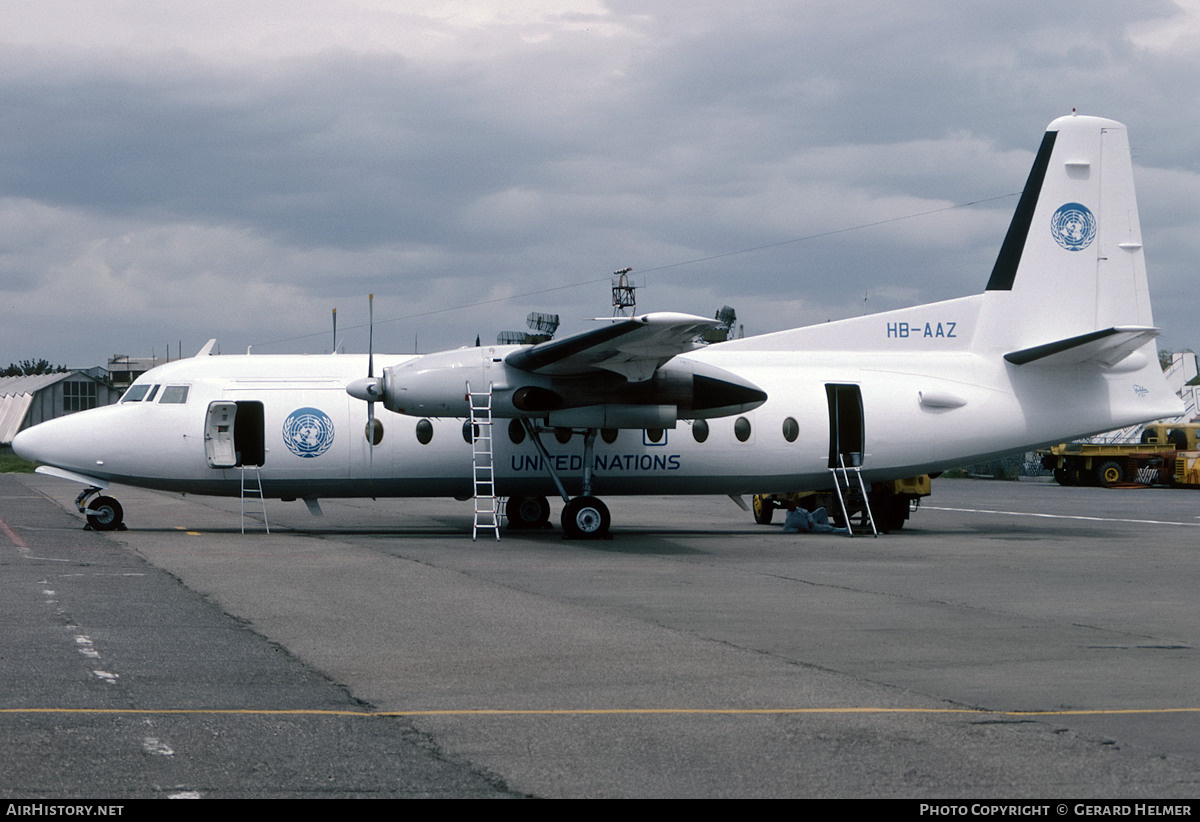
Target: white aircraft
{"x":1059,"y":345}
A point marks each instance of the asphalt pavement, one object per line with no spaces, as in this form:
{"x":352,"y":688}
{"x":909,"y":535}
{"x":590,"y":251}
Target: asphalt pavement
{"x":1017,"y":639}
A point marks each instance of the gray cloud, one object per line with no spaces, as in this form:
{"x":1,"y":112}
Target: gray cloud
{"x":238,"y":180}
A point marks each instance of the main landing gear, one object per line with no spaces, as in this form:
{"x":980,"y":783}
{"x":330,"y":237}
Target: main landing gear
{"x":524,"y":513}
{"x":103,"y":513}
{"x":584,"y":517}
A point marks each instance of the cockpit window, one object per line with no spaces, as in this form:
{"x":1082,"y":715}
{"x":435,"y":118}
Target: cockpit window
{"x":176,"y":394}
{"x":150,"y":396}
{"x":136,"y":393}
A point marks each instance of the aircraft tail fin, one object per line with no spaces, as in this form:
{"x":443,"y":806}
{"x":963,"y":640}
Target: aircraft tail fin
{"x":1071,"y":263}
{"x":1068,"y":286}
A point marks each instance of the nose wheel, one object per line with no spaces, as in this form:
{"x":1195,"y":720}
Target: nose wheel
{"x":586,"y":518}
{"x":102,"y":513}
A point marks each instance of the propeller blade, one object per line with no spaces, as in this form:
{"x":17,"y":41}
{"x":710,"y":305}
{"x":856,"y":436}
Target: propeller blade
{"x":370,"y":389}
{"x":370,"y":432}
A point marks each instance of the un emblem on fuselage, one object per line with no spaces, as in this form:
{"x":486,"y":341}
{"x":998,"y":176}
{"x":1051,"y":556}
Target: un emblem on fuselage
{"x":1073,"y":226}
{"x":308,"y":432}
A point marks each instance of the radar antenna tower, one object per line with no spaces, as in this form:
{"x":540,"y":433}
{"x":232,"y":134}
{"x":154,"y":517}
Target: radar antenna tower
{"x":623,"y":297}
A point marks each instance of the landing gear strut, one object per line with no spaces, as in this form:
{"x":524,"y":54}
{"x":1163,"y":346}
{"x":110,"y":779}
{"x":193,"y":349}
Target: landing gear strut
{"x":584,"y":517}
{"x":103,"y":513}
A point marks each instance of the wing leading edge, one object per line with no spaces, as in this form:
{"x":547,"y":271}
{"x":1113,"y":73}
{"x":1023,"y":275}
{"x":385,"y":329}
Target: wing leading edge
{"x":633,"y":347}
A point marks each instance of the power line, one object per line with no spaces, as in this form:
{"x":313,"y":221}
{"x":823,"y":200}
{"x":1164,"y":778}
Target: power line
{"x":668,"y":266}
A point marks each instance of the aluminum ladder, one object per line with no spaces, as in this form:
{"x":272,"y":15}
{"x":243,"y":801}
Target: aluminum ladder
{"x":846,"y":472}
{"x":253,"y":491}
{"x":483,"y":471}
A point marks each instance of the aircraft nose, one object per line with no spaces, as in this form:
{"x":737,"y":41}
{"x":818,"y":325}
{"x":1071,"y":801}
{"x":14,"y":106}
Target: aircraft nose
{"x":29,"y":443}
{"x":60,"y":442}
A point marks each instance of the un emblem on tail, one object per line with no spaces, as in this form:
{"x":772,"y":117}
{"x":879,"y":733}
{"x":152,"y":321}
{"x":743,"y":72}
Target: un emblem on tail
{"x":308,"y":432}
{"x":1073,"y":226}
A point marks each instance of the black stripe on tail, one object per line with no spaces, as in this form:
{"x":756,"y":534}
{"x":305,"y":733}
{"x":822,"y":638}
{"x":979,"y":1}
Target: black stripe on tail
{"x":1007,"y":262}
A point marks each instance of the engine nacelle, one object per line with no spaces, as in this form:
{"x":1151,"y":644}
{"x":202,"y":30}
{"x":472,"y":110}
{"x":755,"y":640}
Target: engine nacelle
{"x":436,"y":385}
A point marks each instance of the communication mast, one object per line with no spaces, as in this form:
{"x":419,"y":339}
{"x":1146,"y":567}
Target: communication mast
{"x":623,"y":298}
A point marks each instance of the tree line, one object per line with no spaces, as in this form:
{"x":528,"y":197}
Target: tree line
{"x":28,"y":368}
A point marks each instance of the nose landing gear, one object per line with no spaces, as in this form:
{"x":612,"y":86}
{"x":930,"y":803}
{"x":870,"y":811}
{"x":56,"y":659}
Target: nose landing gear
{"x":102,"y":513}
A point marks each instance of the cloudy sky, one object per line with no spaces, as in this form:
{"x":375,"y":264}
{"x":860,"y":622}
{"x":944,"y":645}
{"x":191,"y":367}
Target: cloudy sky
{"x":172,"y":171}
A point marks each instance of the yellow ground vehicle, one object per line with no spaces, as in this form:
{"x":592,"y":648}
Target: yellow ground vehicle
{"x":1168,"y":454}
{"x":891,"y":503}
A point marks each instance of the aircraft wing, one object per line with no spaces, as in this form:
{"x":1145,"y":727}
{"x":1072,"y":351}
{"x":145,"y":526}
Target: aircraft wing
{"x":633,"y":347}
{"x":1107,"y":348}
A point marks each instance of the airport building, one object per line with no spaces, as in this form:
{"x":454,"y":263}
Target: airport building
{"x":26,"y":401}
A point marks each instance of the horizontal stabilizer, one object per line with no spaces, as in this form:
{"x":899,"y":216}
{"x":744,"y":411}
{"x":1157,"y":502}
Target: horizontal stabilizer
{"x":633,"y":348}
{"x":1105,"y":348}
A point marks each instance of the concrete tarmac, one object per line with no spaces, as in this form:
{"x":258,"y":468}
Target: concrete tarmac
{"x":1015,"y":640}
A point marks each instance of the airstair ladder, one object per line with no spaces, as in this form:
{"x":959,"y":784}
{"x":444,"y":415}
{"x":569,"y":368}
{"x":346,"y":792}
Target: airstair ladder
{"x":852,"y":487}
{"x":483,"y":471}
{"x":252,"y":492}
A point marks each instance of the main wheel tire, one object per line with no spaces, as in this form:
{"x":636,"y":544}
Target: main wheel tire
{"x":1088,"y":477}
{"x":527,"y":512}
{"x":585,"y":518}
{"x":105,"y":514}
{"x":1109,"y":472}
{"x":891,"y":513}
{"x":764,"y":509}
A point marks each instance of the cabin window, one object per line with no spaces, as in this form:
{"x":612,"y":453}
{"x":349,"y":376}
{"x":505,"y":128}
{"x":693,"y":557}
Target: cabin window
{"x":654,"y":434}
{"x":741,"y":429}
{"x":563,"y":435}
{"x":424,"y":432}
{"x":609,"y":435}
{"x":373,"y":431}
{"x":174,"y":395}
{"x":467,"y":431}
{"x":136,"y":393}
{"x":791,"y":429}
{"x":78,"y":396}
{"x":516,"y":431}
{"x":700,"y":430}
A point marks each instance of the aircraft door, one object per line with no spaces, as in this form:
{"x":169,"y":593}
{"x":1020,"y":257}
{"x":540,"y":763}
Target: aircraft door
{"x":846,"y":429}
{"x":249,"y":435}
{"x":233,"y":434}
{"x":219,"y":446}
